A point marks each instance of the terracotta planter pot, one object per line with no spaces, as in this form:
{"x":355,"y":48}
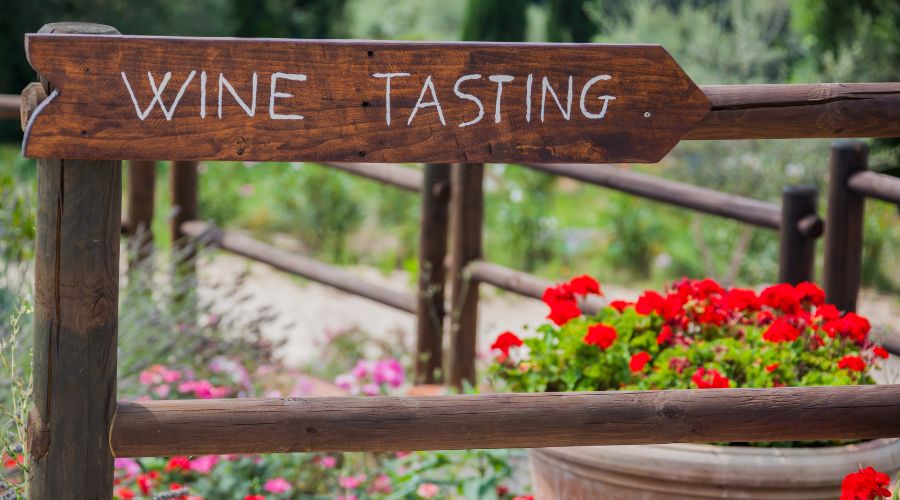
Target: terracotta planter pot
{"x":681,"y":471}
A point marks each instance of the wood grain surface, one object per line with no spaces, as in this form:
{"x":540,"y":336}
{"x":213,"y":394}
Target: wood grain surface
{"x":344,"y":107}
{"x":533,"y":420}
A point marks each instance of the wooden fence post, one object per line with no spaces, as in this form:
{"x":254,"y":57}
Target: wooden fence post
{"x":798,"y":250}
{"x":141,"y":189}
{"x":183,"y":185}
{"x":432,"y":274}
{"x":467,"y":207}
{"x":75,"y":320}
{"x":844,"y":225}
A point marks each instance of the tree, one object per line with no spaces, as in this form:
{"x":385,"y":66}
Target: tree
{"x":495,"y":20}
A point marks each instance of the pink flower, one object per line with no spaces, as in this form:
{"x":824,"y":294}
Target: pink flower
{"x":351,"y":482}
{"x":129,"y":465}
{"x":388,"y":372}
{"x":345,"y":381}
{"x":204,"y":464}
{"x":371,"y":390}
{"x":277,"y":485}
{"x":381,"y":484}
{"x":162,"y":390}
{"x":427,"y":490}
{"x":170,"y":376}
{"x":346,"y":497}
{"x":362,"y":369}
{"x":327,"y":462}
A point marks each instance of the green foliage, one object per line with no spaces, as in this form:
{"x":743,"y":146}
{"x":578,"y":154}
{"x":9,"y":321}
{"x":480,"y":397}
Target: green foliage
{"x":520,"y":227}
{"x":568,"y":20}
{"x":636,"y":236}
{"x":495,"y":20}
{"x":323,"y":210}
{"x":289,"y":18}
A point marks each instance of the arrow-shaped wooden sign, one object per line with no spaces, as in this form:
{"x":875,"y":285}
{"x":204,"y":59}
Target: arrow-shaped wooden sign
{"x":127,"y":97}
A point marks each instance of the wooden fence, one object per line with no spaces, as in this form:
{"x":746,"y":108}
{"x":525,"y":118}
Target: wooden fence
{"x":78,"y":427}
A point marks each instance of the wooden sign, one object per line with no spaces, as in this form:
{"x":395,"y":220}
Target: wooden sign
{"x":126,"y":97}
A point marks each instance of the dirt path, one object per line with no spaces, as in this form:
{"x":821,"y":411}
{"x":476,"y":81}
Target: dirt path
{"x":308,"y":312}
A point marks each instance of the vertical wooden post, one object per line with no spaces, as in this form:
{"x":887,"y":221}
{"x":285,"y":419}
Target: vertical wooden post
{"x":798,"y":251}
{"x":467,"y":207}
{"x":75,"y":320}
{"x":183,"y":183}
{"x":432,"y":275}
{"x":141,"y":187}
{"x":844,"y":225}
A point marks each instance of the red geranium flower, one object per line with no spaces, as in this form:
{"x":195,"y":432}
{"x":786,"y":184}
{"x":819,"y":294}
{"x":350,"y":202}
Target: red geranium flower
{"x":669,"y":307}
{"x":867,"y":484}
{"x":125,"y":493}
{"x":783,"y":297}
{"x":558,"y":293}
{"x":584,"y":285}
{"x":254,"y":497}
{"x":600,"y":335}
{"x":664,"y":336}
{"x":853,"y":363}
{"x":771,"y":368}
{"x":620,"y":305}
{"x":827,"y":312}
{"x":504,"y":342}
{"x":710,"y":379}
{"x":178,"y":463}
{"x":810,"y":292}
{"x":781,"y":331}
{"x":562,"y":311}
{"x":638,"y":361}
{"x":144,"y":483}
{"x":881,"y":352}
{"x":741,"y":299}
{"x":851,"y":325}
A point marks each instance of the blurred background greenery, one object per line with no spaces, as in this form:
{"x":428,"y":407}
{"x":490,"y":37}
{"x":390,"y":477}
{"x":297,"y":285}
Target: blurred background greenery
{"x":545,"y":225}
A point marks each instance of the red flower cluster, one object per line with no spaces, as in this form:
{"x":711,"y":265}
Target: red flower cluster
{"x":563,"y":298}
{"x":852,"y":363}
{"x":867,"y":484}
{"x":851,"y":325}
{"x":710,"y":379}
{"x":504,"y":342}
{"x":638,"y":361}
{"x":781,"y":331}
{"x":600,"y":335}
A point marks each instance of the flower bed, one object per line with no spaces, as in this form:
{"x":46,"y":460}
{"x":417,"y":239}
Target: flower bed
{"x":695,"y":334}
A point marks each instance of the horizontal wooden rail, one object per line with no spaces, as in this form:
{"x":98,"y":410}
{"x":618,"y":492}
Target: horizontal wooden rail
{"x":299,"y":265}
{"x":219,"y":426}
{"x":875,"y":185}
{"x":800,"y":111}
{"x":521,"y":283}
{"x":748,"y":210}
{"x":9,"y":106}
{"x":399,"y":176}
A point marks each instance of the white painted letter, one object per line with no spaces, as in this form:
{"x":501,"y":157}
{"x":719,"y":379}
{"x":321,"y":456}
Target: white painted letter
{"x":528,"y":98}
{"x":274,"y":93}
{"x":419,"y":104}
{"x":387,"y":92}
{"x":203,"y":94}
{"x":605,"y":98}
{"x":251,"y":110}
{"x":469,"y":97}
{"x":545,"y":86}
{"x":157,"y":94}
{"x":500,"y":79}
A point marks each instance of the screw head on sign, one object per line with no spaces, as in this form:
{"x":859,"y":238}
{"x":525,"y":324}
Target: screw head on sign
{"x":646,"y":114}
